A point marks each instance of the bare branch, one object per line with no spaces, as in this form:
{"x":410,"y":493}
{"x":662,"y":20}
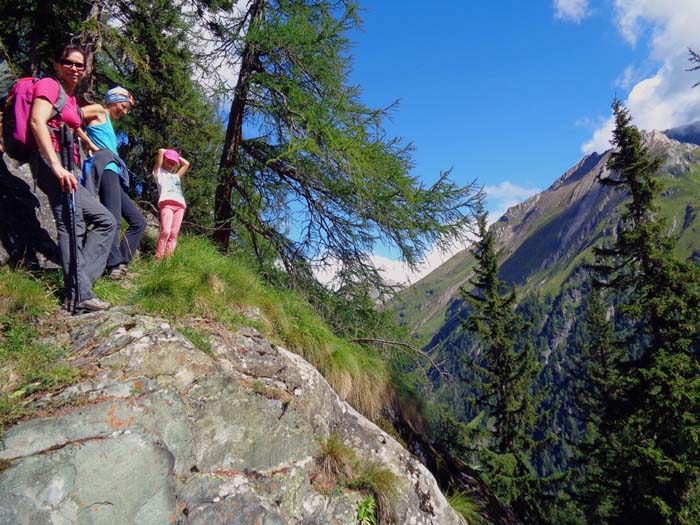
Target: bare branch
{"x":404,"y":347}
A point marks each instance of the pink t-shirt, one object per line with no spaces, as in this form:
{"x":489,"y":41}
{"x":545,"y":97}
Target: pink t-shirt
{"x":48,"y":88}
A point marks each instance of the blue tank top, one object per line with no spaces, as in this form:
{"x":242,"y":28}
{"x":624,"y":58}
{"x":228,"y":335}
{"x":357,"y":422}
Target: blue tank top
{"x":104,"y":137}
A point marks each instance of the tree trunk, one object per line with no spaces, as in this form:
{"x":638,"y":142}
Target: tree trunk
{"x":91,"y":39}
{"x":234,"y":136}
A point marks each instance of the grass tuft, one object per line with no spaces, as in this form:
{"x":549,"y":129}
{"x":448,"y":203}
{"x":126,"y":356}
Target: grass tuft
{"x":383,"y":484}
{"x":466,"y":506}
{"x":337,"y":461}
{"x":339,"y":465}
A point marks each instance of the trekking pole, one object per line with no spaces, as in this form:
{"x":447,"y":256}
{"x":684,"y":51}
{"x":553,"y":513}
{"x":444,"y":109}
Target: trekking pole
{"x":68,"y":164}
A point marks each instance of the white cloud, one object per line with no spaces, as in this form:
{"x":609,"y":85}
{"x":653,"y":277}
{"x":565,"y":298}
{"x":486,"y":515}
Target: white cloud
{"x":506,"y":194}
{"x":665,"y":99}
{"x":572,"y":10}
{"x":628,"y":78}
{"x":395,"y":271}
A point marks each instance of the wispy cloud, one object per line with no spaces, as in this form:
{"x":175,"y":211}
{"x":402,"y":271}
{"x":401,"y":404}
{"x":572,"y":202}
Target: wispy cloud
{"x":571,"y":10}
{"x":501,"y":197}
{"x":663,"y":99}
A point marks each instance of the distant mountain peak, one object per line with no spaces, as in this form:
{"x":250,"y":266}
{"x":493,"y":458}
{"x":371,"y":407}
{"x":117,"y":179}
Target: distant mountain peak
{"x":689,"y":133}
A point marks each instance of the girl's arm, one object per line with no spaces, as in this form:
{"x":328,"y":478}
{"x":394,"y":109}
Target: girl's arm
{"x":159,"y":161}
{"x":38,"y":122}
{"x":184,"y":166}
{"x":94,"y":114}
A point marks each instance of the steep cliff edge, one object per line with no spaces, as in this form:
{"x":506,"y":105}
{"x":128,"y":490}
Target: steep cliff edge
{"x":159,"y":431}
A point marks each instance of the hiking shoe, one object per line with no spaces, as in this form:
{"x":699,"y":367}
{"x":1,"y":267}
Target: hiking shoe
{"x":126,"y":272}
{"x":93,"y":305}
{"x":116,"y":273}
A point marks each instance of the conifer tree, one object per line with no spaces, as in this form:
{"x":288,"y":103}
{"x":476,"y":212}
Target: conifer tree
{"x":504,"y":381}
{"x":307,"y":168}
{"x":651,"y":454}
{"x":598,"y":384}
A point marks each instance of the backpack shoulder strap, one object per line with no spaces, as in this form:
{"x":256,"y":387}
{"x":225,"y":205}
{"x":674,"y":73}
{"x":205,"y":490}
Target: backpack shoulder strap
{"x":60,"y":101}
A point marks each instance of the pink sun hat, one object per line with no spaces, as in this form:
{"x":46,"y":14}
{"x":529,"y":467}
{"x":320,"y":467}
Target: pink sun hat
{"x":172,"y":155}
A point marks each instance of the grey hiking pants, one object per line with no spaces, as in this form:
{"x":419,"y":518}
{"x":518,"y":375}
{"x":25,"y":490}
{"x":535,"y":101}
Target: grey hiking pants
{"x":93,"y":245}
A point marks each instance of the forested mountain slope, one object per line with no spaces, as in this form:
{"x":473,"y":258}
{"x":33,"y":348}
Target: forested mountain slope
{"x":545,"y":238}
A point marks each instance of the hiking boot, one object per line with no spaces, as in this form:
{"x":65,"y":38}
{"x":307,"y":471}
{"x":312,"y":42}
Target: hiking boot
{"x":126,"y":272}
{"x":93,"y":305}
{"x":116,"y":273}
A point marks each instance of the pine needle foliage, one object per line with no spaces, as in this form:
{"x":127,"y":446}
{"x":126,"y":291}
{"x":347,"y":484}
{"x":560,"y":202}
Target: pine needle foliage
{"x":301,"y":147}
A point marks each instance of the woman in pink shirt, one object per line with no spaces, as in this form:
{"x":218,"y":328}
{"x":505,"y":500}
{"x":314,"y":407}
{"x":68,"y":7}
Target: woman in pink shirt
{"x":83,"y":263}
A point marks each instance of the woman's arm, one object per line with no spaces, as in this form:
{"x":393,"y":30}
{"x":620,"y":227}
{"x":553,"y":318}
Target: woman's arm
{"x":94,"y":114}
{"x":38,"y":122}
{"x":184,"y":166}
{"x":86,"y":139}
{"x":159,"y":161}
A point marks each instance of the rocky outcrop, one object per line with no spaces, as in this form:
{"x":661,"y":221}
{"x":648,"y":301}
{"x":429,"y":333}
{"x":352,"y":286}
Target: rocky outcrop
{"x":159,"y":431}
{"x":27,"y":228}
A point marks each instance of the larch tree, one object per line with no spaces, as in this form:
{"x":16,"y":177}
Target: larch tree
{"x":307,"y":170}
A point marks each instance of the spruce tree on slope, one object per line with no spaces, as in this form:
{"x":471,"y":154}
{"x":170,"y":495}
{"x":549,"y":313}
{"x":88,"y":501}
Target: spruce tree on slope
{"x":504,"y":382}
{"x":597,"y":380}
{"x":651,"y":454}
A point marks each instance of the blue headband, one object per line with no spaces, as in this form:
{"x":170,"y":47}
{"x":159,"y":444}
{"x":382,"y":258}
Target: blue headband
{"x":117,"y":94}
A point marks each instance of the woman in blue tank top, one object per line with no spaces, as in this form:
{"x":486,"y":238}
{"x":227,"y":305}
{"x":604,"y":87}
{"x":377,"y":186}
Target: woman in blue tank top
{"x":114,"y":179}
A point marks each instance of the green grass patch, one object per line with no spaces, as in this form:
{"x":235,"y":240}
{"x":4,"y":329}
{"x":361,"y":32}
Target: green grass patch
{"x":22,"y":297}
{"x":338,"y":465}
{"x":26,"y":364}
{"x":466,"y":506}
{"x":197,"y":338}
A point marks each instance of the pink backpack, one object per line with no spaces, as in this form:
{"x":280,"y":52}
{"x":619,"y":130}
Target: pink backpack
{"x":18,"y":139}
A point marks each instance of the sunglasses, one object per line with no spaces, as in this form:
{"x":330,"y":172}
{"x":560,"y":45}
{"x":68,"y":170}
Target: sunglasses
{"x":69,"y":63}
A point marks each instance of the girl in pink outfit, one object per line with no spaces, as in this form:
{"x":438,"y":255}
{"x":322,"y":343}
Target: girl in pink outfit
{"x":169,"y":168}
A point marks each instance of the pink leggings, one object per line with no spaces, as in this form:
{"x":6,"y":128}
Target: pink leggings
{"x":171,"y":215}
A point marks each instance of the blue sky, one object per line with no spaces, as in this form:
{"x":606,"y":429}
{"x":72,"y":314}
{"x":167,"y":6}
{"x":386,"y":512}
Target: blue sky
{"x":513,"y":93}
